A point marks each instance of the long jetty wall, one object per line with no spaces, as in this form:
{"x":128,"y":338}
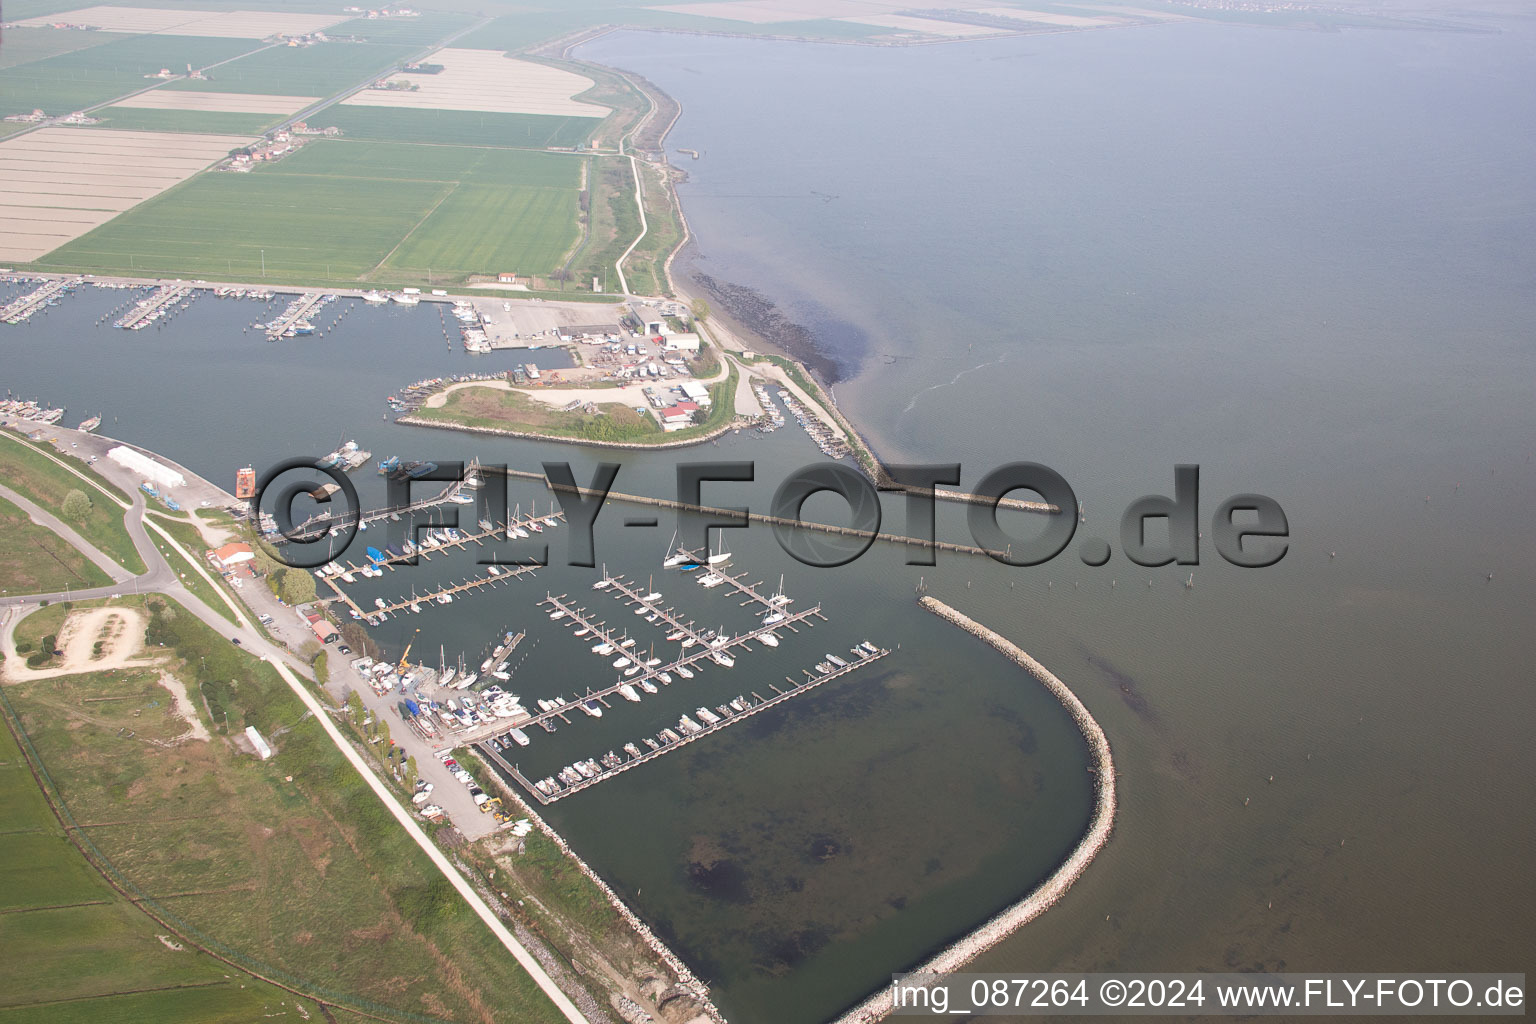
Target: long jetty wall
{"x":686,"y":979}
{"x":758,"y":517}
{"x":1011,"y":919}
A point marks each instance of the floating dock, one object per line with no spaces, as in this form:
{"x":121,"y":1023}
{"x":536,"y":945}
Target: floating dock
{"x":21,"y":309}
{"x":504,"y":573}
{"x":489,"y":751}
{"x":297,"y":313}
{"x":321,"y":522}
{"x":147,"y":311}
{"x":693,"y":661}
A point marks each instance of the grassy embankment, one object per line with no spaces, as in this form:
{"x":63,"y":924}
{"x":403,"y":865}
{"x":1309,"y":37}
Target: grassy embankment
{"x":75,"y":949}
{"x":187,"y":536}
{"x":35,"y":560}
{"x":27,"y":471}
{"x":289,"y":868}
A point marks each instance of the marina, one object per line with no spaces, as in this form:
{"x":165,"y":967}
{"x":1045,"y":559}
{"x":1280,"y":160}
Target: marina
{"x":323,"y":522}
{"x":434,"y":539}
{"x":146,"y":311}
{"x":713,"y":649}
{"x":554,"y":788}
{"x":47,"y":294}
{"x":295,"y":319}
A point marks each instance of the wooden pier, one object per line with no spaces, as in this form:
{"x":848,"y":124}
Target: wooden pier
{"x":506,"y":573}
{"x":489,"y":750}
{"x":296,"y":313}
{"x":692,"y":661}
{"x":312,"y":527}
{"x":453,"y":590}
{"x":143,"y":312}
{"x":21,"y":308}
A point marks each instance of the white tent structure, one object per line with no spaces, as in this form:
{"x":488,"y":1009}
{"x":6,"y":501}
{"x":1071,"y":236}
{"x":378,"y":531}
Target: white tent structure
{"x":146,"y":467}
{"x":262,"y":750}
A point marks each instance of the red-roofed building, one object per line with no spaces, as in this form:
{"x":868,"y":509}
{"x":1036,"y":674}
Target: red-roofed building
{"x":231,"y":555}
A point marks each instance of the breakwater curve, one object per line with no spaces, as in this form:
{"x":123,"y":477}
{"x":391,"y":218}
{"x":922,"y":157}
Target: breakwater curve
{"x":1100,"y":825}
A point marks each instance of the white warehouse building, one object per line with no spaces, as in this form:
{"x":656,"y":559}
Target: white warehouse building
{"x":146,"y":467}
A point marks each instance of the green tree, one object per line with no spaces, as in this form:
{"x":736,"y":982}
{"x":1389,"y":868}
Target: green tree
{"x":355,"y":707}
{"x":297,"y":587}
{"x":76,"y":507}
{"x":410,"y":772}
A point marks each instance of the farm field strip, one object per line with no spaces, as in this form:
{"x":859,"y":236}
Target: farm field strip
{"x":134,"y":165}
{"x":217,"y":24}
{"x":231,"y":102}
{"x":487,"y":80}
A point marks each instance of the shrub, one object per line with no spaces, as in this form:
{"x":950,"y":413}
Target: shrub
{"x":76,"y":507}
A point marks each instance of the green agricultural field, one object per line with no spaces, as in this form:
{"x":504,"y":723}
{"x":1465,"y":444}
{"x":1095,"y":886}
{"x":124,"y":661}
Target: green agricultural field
{"x":302,"y":70}
{"x":466,"y":127}
{"x":468,"y":165}
{"x":483,"y":229}
{"x":219,"y":223}
{"x":291,"y":867}
{"x":204,"y":122}
{"x":345,"y":210}
{"x":83,"y":78}
{"x":522,"y":31}
{"x":420,"y":32}
{"x":24,"y":45}
{"x":29,"y":472}
{"x":35,"y":560}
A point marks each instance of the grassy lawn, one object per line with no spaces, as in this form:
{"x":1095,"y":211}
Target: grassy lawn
{"x":467,"y":127}
{"x":207,"y":122}
{"x":187,"y":536}
{"x":28,"y":472}
{"x":44,"y":622}
{"x":80,"y":952}
{"x":82,"y":78}
{"x":35,"y":560}
{"x":291,"y":867}
{"x":302,"y":71}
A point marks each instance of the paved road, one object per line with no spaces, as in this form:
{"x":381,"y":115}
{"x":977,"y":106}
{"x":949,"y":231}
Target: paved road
{"x":43,"y":517}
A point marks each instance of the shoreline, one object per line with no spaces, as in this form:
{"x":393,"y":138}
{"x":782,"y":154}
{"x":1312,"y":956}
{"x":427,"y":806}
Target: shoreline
{"x":1001,"y":925}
